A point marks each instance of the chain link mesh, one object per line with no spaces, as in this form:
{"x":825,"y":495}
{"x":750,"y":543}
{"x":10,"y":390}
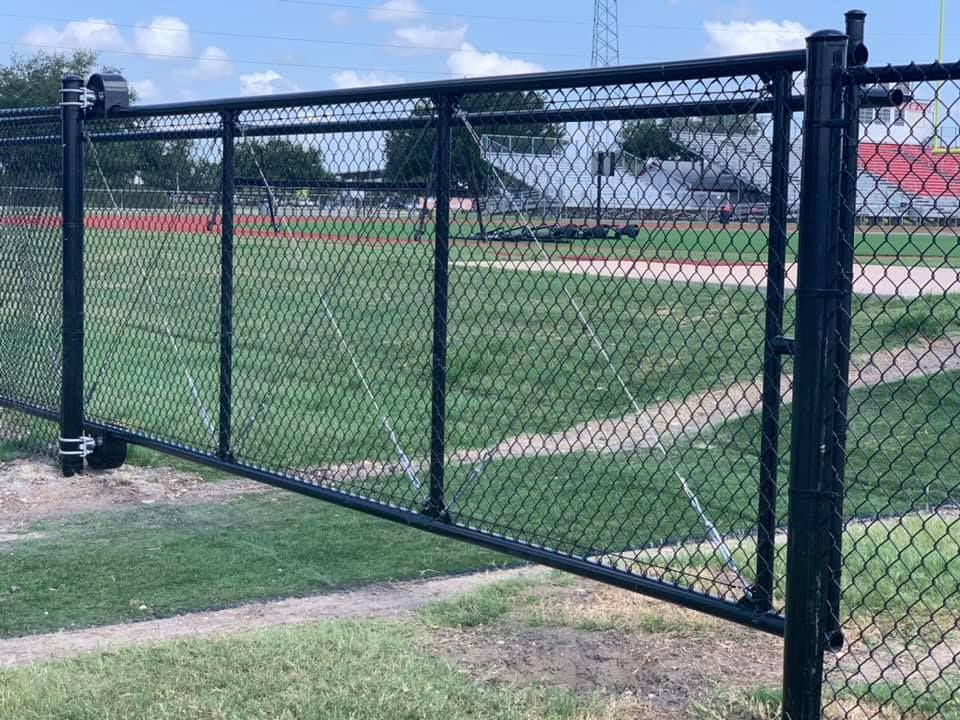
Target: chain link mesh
{"x":606,"y":309}
{"x":900,"y":531}
{"x":30,"y":256}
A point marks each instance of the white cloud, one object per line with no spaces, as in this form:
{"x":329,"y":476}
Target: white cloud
{"x":163,"y":36}
{"x":145,"y":89}
{"x":340,"y":17}
{"x":268,"y":82}
{"x":396,"y":11}
{"x":91,"y":34}
{"x":423,"y":37}
{"x":740,"y":37}
{"x":214,"y":64}
{"x":352,"y":78}
{"x":468,"y":61}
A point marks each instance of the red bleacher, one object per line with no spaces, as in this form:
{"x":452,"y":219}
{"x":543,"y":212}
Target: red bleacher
{"x":912,"y":168}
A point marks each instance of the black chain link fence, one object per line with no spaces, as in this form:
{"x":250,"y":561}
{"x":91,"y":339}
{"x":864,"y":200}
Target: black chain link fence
{"x":556,"y":316}
{"x":900,"y":583}
{"x":603,"y":302}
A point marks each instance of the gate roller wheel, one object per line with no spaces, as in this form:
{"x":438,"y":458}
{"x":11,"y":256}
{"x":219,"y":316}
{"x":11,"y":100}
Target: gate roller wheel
{"x":110,"y":453}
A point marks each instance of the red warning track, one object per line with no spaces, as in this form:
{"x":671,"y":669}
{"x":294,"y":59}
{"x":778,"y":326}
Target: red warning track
{"x":257,"y":227}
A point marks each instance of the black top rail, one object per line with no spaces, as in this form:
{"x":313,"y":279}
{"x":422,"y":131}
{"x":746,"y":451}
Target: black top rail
{"x":731,"y":66}
{"x":704,"y":108}
{"x":902,"y":73}
{"x":18,"y":112}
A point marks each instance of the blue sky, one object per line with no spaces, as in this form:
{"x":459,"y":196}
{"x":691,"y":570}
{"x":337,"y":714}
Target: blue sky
{"x":177,"y":49}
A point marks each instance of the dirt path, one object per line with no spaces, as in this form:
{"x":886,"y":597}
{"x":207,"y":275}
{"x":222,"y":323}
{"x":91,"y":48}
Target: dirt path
{"x":395,"y":601}
{"x":668,"y":421}
{"x":32,"y":490}
{"x":879,"y":280}
{"x":583,"y":636}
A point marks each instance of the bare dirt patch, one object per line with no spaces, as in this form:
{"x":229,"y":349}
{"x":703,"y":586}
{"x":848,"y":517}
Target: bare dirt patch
{"x":683,"y":660}
{"x":31,"y":490}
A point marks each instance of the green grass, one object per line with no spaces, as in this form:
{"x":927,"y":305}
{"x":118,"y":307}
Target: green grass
{"x":938,"y":698}
{"x":746,"y":243}
{"x":735,"y":242}
{"x":159,"y":561}
{"x":333,"y":671}
{"x":903,"y":446}
{"x":518,"y":357}
{"x":102,"y":568}
{"x":479,"y":607}
{"x":588,"y":503}
{"x":904,"y":571}
{"x":896,"y":573}
{"x":518,"y":361}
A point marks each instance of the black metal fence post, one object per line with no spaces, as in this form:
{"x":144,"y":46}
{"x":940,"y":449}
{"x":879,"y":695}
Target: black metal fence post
{"x":775,"y":344}
{"x":226,"y":287}
{"x":436,"y":506}
{"x":599,"y":189}
{"x":811,"y":457}
{"x":72,"y":445}
{"x":855,"y":20}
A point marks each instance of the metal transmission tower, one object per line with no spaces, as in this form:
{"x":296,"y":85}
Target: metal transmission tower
{"x":605,"y":136}
{"x":606,"y":34}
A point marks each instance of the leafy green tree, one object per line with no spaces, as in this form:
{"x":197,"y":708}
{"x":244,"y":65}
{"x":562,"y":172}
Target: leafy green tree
{"x":410,"y":153}
{"x":648,"y":139}
{"x":282,"y":161}
{"x":35,"y":81}
{"x":154,"y":165}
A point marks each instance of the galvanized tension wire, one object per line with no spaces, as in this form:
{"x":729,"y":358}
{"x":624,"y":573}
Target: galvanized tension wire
{"x":26,"y":274}
{"x":204,"y":415}
{"x":405,"y":463}
{"x":713,"y":536}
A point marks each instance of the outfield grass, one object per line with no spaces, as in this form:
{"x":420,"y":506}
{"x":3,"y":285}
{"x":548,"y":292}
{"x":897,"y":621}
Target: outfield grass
{"x":153,"y":562}
{"x":589,"y":503}
{"x":518,"y":359}
{"x":672,"y":240}
{"x":900,"y":570}
{"x":733,"y":242}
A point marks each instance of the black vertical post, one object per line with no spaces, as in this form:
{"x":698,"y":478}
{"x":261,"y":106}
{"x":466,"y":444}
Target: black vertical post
{"x":773,"y":343}
{"x":811,"y":456}
{"x":600,"y":159}
{"x":480,"y":223}
{"x":436,"y":506}
{"x":226,"y":288}
{"x":72,"y":446}
{"x":856,"y":55}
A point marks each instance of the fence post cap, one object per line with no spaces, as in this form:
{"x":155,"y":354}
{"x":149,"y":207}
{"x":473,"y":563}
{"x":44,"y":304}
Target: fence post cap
{"x":825,"y":36}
